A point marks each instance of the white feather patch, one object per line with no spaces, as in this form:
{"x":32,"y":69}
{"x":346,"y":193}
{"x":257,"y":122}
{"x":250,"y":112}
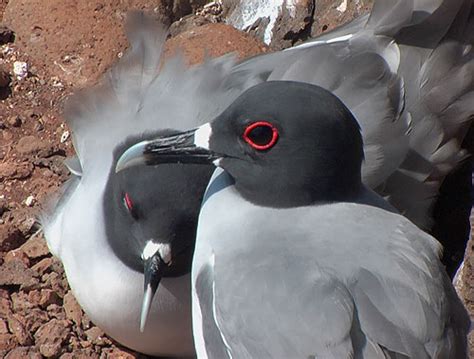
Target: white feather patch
{"x":202,"y":136}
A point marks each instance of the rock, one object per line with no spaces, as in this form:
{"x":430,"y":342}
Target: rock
{"x":5,"y":307}
{"x":21,"y":302}
{"x":54,"y":281}
{"x":12,"y":170}
{"x":56,"y":311}
{"x":219,"y":39}
{"x":96,"y":336}
{"x":50,"y":350}
{"x":55,"y":163}
{"x":187,"y":23}
{"x":7,"y":342}
{"x":282,"y":24}
{"x":80,"y":354}
{"x":51,"y":336}
{"x":17,"y":327}
{"x":23,"y":352}
{"x":329,"y":15}
{"x":25,"y":221}
{"x":35,"y":318}
{"x":116,"y":353}
{"x":32,"y":145}
{"x":3,"y":327}
{"x":293,"y":24}
{"x":6,"y":35}
{"x":35,"y":247}
{"x":14,"y":121}
{"x":49,"y":297}
{"x":4,"y":76}
{"x":43,"y":266}
{"x":17,"y":255}
{"x":182,"y":8}
{"x":3,"y":206}
{"x":10,"y":237}
{"x":72,"y":308}
{"x":15,"y":272}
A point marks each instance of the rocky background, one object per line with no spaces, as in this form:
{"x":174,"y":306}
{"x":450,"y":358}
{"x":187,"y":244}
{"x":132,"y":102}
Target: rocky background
{"x":49,"y":48}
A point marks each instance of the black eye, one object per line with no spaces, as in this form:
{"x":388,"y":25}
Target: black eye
{"x":128,"y":203}
{"x":261,"y":135}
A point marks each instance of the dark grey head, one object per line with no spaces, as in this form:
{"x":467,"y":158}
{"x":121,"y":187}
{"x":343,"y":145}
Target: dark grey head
{"x":284,"y":143}
{"x":151,"y":218}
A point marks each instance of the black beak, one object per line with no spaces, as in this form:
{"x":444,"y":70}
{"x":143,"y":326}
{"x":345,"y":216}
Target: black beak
{"x":177,"y":148}
{"x":154,"y":270}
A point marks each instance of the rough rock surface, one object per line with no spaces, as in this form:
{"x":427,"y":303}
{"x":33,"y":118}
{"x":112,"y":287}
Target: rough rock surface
{"x":283,"y":26}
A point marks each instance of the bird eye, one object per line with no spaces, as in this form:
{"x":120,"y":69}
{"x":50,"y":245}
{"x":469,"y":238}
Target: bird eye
{"x":128,"y":203}
{"x":261,"y":135}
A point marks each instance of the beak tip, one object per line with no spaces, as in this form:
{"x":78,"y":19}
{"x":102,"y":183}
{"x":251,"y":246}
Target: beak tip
{"x":146,"y":305}
{"x":133,"y":156}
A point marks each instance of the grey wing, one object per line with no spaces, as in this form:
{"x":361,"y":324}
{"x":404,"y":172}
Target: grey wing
{"x":214,"y":342}
{"x":272,"y":316}
{"x":439,"y":92}
{"x":408,"y":305}
{"x":396,"y":302}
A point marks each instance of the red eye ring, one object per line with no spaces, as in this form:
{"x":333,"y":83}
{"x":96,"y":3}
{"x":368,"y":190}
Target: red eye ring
{"x":255,"y":125}
{"x":128,"y":202}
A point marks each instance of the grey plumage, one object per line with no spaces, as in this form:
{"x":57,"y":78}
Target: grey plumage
{"x":323,"y":286}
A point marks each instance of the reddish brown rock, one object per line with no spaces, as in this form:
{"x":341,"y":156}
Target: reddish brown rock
{"x":43,"y":266}
{"x":17,"y":327}
{"x":15,"y":272}
{"x":17,"y":255}
{"x":116,"y":353}
{"x":14,"y":170}
{"x":7,"y":342}
{"x":5,"y":307}
{"x":97,"y":336}
{"x":21,"y":302}
{"x":72,"y":308}
{"x":213,"y":40}
{"x":56,"y":282}
{"x":35,"y":318}
{"x":23,"y":353}
{"x":4,"y":77}
{"x":3,"y":327}
{"x":51,"y":336}
{"x":10,"y":237}
{"x":32,"y":145}
{"x":49,"y":297}
{"x":56,"y":311}
{"x":6,"y":34}
{"x":329,"y":14}
{"x":35,"y":247}
{"x":80,"y":354}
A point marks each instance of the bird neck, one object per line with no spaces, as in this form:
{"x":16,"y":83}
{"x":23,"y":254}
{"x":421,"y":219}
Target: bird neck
{"x":278,"y":193}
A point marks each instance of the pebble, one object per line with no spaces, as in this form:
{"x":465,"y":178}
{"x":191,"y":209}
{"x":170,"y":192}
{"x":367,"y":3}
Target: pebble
{"x":29,"y":201}
{"x":20,"y":69}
